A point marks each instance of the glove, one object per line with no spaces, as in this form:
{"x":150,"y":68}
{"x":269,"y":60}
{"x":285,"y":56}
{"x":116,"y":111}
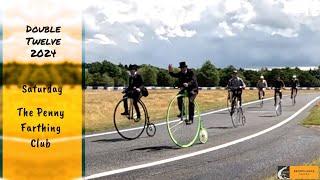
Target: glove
{"x":185,"y":84}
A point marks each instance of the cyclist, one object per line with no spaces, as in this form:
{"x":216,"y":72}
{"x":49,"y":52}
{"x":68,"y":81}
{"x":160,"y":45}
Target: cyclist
{"x":134,"y":90}
{"x":278,"y":85}
{"x":262,"y":85}
{"x":235,"y":87}
{"x":294,"y":85}
{"x":186,"y":81}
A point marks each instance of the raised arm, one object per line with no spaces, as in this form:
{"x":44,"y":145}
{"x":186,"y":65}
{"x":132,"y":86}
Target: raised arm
{"x":170,"y":69}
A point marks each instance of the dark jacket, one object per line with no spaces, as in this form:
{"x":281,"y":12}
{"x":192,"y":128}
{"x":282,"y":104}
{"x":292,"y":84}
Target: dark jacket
{"x":295,"y":83}
{"x":135,"y":82}
{"x":188,"y":77}
{"x":278,"y":84}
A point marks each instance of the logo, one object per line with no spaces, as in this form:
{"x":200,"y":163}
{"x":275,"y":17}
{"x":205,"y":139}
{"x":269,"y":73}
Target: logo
{"x":283,"y":172}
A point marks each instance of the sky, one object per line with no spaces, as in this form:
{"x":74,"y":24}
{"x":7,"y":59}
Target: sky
{"x":243,"y":33}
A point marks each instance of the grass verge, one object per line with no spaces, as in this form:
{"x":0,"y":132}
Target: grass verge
{"x":313,"y":118}
{"x":100,"y":104}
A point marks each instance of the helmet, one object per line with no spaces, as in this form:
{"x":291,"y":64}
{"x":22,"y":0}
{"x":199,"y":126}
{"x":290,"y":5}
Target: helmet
{"x":261,"y":77}
{"x":235,"y":72}
{"x":294,"y":76}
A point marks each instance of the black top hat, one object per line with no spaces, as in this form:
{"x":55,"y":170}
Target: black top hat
{"x":133,"y":67}
{"x":182,"y":64}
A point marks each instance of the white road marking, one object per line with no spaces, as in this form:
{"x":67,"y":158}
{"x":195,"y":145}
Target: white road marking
{"x":164,"y":123}
{"x":176,"y":158}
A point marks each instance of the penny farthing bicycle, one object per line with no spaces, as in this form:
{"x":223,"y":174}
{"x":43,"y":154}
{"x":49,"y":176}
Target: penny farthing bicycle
{"x":182,"y":133}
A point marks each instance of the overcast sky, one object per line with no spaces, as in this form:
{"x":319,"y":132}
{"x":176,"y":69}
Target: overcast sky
{"x":244,"y":33}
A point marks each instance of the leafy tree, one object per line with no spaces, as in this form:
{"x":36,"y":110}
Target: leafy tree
{"x":112,"y":70}
{"x":149,"y":75}
{"x":164,"y":79}
{"x":251,"y":77}
{"x":208,"y":75}
{"x":225,"y":75}
{"x":95,"y":67}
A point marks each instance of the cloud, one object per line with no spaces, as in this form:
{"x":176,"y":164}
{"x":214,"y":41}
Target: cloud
{"x":242,"y":33}
{"x":101,"y":39}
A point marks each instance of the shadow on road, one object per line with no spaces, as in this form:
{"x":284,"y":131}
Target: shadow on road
{"x":220,"y":127}
{"x":269,"y":115}
{"x":288,"y":105}
{"x":254,"y":107}
{"x":155,"y":148}
{"x":110,"y":140}
{"x":113,"y":140}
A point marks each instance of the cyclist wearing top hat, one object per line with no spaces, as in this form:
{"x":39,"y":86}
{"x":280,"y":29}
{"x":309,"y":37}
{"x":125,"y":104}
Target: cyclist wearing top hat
{"x":187,"y":81}
{"x":134,"y":90}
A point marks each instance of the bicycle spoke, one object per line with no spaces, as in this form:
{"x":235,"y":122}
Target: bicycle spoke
{"x":181,"y":134}
{"x":128,"y":126}
{"x":176,"y":124}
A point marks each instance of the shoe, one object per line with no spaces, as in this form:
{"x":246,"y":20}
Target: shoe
{"x":189,"y":121}
{"x":125,"y":114}
{"x":137,"y":119}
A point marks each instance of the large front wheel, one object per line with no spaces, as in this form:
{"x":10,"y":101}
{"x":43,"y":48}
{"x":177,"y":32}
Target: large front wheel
{"x":130,"y":126}
{"x":182,"y":133}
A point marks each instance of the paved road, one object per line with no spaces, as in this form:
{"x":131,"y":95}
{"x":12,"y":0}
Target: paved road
{"x":255,"y":158}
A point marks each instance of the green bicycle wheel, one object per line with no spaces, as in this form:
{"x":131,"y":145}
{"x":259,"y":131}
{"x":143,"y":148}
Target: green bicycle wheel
{"x":181,"y":134}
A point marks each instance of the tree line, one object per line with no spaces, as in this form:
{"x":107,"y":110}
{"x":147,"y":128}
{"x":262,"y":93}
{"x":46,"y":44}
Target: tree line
{"x":107,"y":74}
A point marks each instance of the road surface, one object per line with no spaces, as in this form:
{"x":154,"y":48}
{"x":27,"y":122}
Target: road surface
{"x":252,"y":157}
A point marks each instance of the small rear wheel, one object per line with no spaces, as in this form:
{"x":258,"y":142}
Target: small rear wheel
{"x":151,"y":129}
{"x":203,"y":135}
{"x":242,"y":118}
